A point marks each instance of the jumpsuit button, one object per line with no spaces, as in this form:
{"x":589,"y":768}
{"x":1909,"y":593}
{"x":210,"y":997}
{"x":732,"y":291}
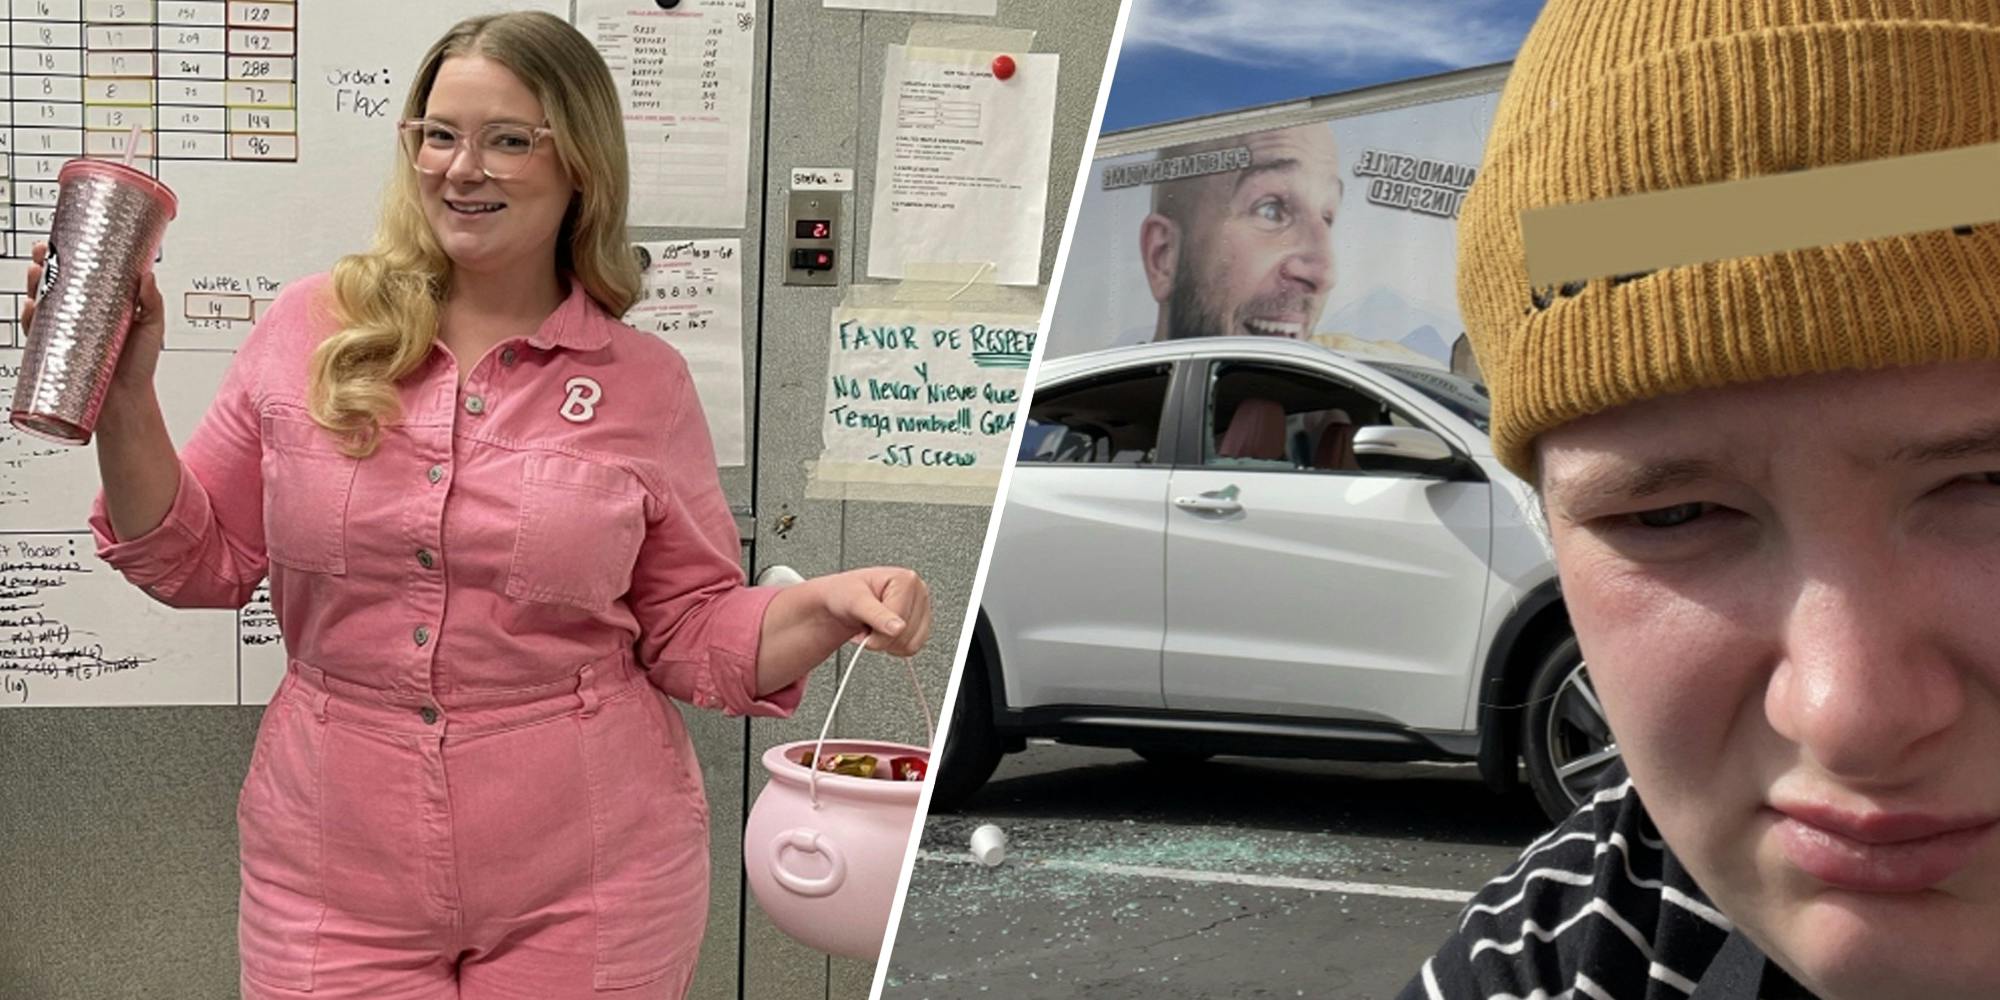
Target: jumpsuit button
{"x":425,"y":559}
{"x":475,"y":405}
{"x":422,"y":635}
{"x":430,"y":715}
{"x":436,"y":473}
{"x":507,"y":357}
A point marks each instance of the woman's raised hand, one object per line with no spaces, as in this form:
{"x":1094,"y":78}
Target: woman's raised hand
{"x":140,"y":357}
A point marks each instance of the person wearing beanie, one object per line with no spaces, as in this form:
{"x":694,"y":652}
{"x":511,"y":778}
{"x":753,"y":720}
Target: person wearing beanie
{"x":1772,"y":486}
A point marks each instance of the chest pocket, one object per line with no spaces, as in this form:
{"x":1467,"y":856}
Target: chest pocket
{"x":307,"y":482}
{"x":579,"y":533}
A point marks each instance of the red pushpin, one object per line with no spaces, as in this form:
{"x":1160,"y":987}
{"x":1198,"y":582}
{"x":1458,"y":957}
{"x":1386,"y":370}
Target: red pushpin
{"x":1003,"y":67}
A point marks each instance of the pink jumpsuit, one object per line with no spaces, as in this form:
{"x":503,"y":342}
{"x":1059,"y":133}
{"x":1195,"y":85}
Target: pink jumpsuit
{"x":470,"y":783}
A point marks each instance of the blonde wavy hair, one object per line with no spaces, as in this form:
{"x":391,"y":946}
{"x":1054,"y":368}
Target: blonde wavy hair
{"x":387,"y":300}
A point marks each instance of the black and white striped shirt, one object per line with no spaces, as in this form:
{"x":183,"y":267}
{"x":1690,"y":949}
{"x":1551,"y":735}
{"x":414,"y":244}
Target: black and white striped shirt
{"x":1598,"y":909}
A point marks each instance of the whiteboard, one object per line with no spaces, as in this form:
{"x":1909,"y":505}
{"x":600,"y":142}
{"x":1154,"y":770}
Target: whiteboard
{"x":274,"y":123}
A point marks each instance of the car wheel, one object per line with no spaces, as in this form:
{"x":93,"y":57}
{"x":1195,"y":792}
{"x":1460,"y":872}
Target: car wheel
{"x":971,"y":747}
{"x":1565,"y":737}
{"x":1172,"y":758}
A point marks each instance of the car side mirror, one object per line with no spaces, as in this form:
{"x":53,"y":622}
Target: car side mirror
{"x":1411,"y":450}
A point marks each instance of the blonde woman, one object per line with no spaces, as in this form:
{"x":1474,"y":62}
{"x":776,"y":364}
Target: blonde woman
{"x":1772,"y":481}
{"x":497,"y":546}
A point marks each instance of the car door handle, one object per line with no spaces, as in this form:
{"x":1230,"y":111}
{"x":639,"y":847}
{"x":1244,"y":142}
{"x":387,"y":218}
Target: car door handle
{"x":1223,"y":502}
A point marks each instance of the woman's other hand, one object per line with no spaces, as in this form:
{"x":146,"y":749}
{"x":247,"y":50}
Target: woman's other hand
{"x":892,"y":603}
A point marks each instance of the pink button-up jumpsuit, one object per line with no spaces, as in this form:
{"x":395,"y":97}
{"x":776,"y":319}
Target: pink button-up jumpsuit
{"x":465,"y":786}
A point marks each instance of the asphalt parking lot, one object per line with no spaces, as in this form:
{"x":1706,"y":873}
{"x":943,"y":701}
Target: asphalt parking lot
{"x":1236,"y":878}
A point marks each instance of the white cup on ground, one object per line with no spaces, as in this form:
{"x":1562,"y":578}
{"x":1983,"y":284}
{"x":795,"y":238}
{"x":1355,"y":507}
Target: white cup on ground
{"x":989,"y":845}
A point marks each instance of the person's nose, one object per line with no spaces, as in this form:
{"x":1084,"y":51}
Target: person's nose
{"x":465,"y":168}
{"x":1868,"y":678}
{"x":1310,"y":262}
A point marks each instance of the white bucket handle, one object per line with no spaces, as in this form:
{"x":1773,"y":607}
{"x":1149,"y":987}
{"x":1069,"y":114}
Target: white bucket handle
{"x":807,"y":841}
{"x":930,"y":730}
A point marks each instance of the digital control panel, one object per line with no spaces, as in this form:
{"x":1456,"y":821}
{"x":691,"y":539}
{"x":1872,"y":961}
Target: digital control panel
{"x":811,"y":253}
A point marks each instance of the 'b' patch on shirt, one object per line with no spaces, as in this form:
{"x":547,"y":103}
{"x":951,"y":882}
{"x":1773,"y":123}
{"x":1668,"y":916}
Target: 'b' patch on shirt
{"x":581,"y":403}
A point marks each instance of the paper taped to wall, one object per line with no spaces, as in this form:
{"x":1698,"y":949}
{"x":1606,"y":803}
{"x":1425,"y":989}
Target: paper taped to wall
{"x":962,"y":162}
{"x":693,"y":299}
{"x":822,"y":179}
{"x":684,"y":78}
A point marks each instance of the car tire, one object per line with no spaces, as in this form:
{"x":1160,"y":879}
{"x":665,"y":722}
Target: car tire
{"x":1165,"y":757}
{"x":1565,"y":740}
{"x":971,"y":746}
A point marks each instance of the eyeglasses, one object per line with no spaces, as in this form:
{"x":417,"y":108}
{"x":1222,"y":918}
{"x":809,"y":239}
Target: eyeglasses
{"x":502,"y":150}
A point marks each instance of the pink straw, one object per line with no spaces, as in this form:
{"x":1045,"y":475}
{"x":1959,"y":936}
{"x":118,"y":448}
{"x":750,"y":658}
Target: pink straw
{"x":132,"y":145}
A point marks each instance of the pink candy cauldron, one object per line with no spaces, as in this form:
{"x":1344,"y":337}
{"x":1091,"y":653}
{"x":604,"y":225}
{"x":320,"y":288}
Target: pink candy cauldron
{"x":827,"y":874}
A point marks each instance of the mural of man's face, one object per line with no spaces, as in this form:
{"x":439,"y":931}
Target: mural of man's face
{"x":1249,"y":251}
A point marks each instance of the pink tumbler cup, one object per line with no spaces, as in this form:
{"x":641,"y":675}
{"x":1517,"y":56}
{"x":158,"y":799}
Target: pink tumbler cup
{"x":108,"y":225}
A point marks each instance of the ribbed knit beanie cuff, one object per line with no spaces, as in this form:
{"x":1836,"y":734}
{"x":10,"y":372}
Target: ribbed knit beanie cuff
{"x":1618,"y":97}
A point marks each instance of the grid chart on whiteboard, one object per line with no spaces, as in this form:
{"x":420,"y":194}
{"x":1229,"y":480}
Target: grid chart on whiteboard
{"x":202,"y":80}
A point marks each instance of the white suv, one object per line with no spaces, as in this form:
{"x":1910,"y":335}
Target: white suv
{"x":1257,"y":546}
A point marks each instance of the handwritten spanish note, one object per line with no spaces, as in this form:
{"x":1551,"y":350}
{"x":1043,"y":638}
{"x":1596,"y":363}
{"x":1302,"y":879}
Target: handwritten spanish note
{"x":684,"y":75}
{"x":918,"y":397}
{"x":693,"y":299}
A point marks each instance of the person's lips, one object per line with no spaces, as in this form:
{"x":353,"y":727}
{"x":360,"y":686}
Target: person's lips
{"x":1281,"y":312}
{"x":1879,"y":851}
{"x":470,"y":207}
{"x":1293,"y":326}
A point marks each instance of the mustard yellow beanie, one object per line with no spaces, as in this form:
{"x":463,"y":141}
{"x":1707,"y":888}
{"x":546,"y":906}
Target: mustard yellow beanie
{"x":1621,"y":97}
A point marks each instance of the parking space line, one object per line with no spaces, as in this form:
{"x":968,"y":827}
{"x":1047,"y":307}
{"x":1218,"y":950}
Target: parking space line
{"x":1221,"y":878}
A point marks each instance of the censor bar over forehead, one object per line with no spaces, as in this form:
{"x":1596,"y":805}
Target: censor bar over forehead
{"x":1755,"y":216}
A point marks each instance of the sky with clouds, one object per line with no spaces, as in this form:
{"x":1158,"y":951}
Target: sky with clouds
{"x":1186,"y":58}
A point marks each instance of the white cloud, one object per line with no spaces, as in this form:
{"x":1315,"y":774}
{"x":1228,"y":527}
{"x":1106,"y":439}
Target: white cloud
{"x":1334,"y":35}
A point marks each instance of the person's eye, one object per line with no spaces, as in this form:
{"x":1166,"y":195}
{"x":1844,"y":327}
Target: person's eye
{"x":438,"y":136}
{"x":1977,"y":481}
{"x":1272,"y":210}
{"x":1691,"y":532}
{"x":512,"y":142}
{"x":1679,"y":515}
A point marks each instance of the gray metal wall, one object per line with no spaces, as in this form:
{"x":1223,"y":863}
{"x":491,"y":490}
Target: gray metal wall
{"x":117,"y":836}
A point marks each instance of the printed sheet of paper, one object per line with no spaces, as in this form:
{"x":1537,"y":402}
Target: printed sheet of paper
{"x":693,"y":299}
{"x":684,"y":77}
{"x":974,"y":8}
{"x":962,"y":164}
{"x":922,"y":397}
